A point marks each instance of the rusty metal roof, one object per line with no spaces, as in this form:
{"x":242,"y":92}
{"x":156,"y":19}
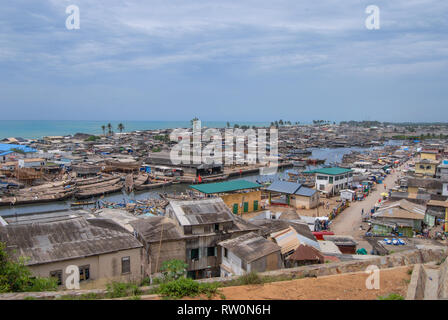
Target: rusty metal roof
{"x":306,"y":253}
{"x":153,"y":229}
{"x":197,"y":212}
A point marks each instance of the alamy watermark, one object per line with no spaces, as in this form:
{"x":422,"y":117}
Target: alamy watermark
{"x":237,"y":147}
{"x":373,"y":20}
{"x":373,"y":280}
{"x":73,"y":20}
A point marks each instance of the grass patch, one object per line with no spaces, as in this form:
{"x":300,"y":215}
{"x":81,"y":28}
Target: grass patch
{"x":186,"y":287}
{"x":252,"y":278}
{"x":122,"y":289}
{"x":85,"y":296}
{"x":391,"y":296}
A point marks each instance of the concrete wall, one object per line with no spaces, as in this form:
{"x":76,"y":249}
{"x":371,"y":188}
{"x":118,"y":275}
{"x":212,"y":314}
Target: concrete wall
{"x":237,"y":198}
{"x":416,"y":288}
{"x":103,"y":268}
{"x":442,"y":292}
{"x":428,"y":169}
{"x":270,"y":262}
{"x":301,"y":202}
{"x":403,"y":258}
{"x":167,"y":251}
{"x":232,"y":262}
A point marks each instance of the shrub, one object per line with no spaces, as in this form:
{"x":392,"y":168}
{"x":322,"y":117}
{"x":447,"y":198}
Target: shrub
{"x":16,"y":277}
{"x":186,"y":287}
{"x":250,"y":278}
{"x":173,"y":269}
{"x":122,"y":289}
{"x":391,"y":296}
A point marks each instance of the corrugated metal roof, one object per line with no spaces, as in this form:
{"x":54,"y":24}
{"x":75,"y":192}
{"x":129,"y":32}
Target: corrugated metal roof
{"x":8,"y":147}
{"x":306,"y":192}
{"x":65,"y":240}
{"x":284,"y":187}
{"x":227,"y":186}
{"x":401,"y":209}
{"x":250,"y":247}
{"x":287,"y":239}
{"x":197,"y":212}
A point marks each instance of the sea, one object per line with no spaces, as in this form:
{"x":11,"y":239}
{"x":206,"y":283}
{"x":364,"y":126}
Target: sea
{"x":34,"y":129}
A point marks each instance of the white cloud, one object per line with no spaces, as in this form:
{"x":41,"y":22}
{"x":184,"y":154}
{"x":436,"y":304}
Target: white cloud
{"x":265,"y":35}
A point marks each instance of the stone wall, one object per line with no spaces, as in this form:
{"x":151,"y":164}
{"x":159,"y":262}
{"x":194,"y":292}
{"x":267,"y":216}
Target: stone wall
{"x":411,"y":257}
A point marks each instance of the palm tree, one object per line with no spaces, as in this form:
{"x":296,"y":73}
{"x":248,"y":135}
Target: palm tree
{"x":104,"y":129}
{"x":193,"y":120}
{"x":109,"y":128}
{"x":228,"y":124}
{"x":120,"y":127}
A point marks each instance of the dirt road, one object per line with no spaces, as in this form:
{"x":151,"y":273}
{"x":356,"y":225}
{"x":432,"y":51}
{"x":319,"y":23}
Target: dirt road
{"x":348,"y":222}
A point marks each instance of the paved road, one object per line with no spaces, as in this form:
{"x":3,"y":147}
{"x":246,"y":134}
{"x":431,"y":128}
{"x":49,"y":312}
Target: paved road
{"x":348,"y":222}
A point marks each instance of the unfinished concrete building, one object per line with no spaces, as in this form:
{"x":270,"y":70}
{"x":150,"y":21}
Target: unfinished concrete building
{"x":190,"y":232}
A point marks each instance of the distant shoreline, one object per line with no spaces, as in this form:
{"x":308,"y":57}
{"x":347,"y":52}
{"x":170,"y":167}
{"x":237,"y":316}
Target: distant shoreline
{"x":35,"y":129}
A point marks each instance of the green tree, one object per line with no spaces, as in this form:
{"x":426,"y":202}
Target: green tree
{"x":173,"y":269}
{"x":103,"y":127}
{"x":109,"y":128}
{"x":120,"y":127}
{"x":193,"y":120}
{"x":16,"y":277}
{"x":228,"y":124}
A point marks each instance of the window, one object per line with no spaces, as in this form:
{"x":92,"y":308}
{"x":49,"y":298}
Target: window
{"x":58,"y":275}
{"x":194,"y":254}
{"x":210,"y":251}
{"x":84,"y":273}
{"x":225,"y":252}
{"x":126,"y":265}
{"x":422,"y":166}
{"x":331,"y":179}
{"x":216,"y":226}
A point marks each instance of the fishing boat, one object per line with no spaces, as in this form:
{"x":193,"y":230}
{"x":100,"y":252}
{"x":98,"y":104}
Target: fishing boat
{"x":82,"y":203}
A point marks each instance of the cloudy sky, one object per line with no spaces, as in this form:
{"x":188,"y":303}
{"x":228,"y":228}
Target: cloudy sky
{"x":246,"y":60}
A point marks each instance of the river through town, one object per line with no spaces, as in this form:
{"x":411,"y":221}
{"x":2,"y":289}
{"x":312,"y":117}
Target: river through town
{"x":331,"y":155}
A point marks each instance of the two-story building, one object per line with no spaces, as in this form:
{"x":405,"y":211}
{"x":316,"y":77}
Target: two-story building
{"x":332,"y":180}
{"x":426,"y":167}
{"x":190,"y":231}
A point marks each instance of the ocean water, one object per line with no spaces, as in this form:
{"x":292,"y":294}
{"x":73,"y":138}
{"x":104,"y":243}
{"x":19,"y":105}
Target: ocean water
{"x":32,"y":129}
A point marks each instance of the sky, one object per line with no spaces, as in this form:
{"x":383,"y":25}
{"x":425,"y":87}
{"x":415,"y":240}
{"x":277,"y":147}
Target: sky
{"x":229,"y":60}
